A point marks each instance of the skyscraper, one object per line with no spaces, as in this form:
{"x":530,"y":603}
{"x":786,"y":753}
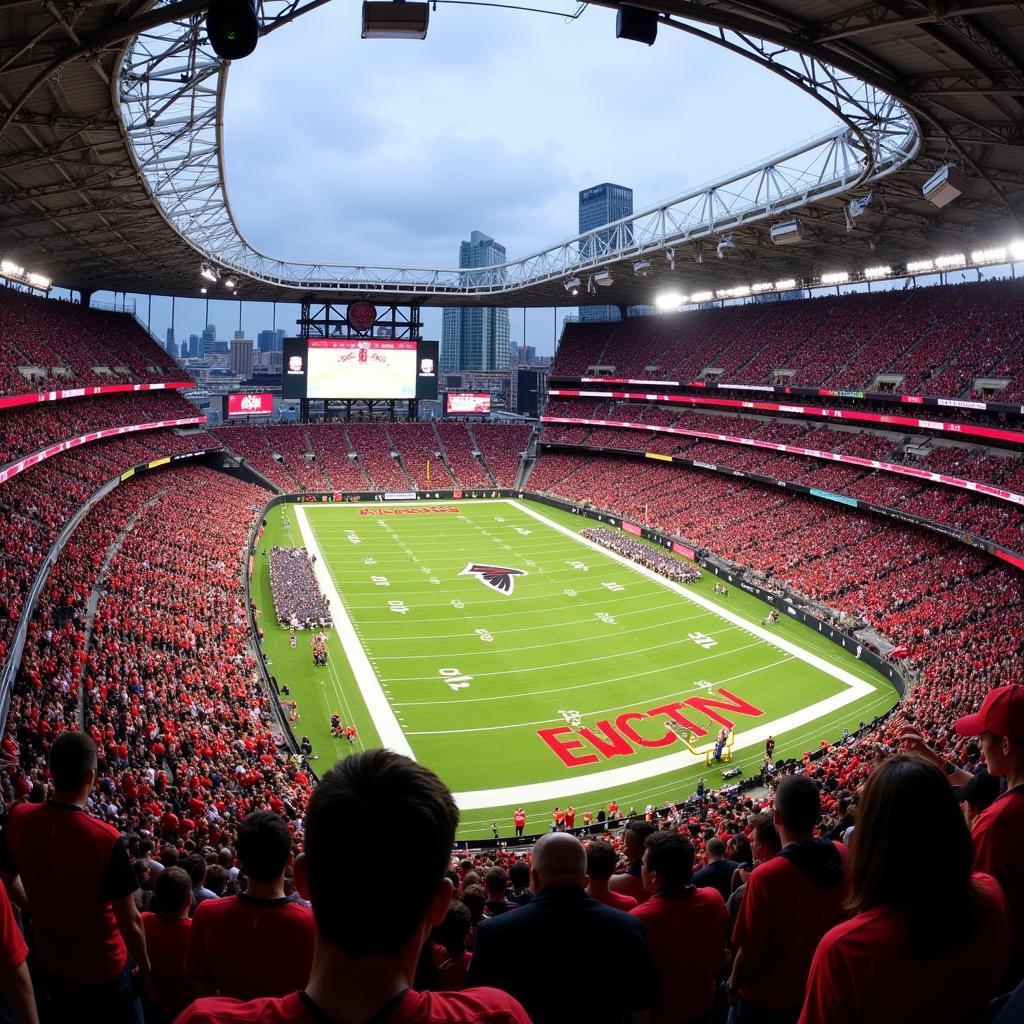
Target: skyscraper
{"x":241,"y":357}
{"x":475,"y":339}
{"x":209,"y":340}
{"x":169,"y":345}
{"x":193,"y":347}
{"x":270,"y":341}
{"x":601,"y":205}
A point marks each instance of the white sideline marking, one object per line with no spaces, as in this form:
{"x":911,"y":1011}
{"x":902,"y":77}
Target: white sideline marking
{"x":391,"y":734}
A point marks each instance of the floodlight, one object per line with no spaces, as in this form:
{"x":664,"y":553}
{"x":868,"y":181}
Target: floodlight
{"x":668,"y":301}
{"x":11,"y":269}
{"x":395,"y":19}
{"x":642,"y":267}
{"x":603,"y":278}
{"x":725,"y":246}
{"x":761,"y":286}
{"x":786,"y":284}
{"x":572,"y":285}
{"x":739,"y":292}
{"x":996,"y":255}
{"x":1017,"y":250}
{"x":211,"y":273}
{"x":920,"y":266}
{"x":233,"y":28}
{"x":230,"y":283}
{"x":945,"y":185}
{"x":202,"y":291}
{"x":951,"y":262}
{"x":874,"y":273}
{"x":702,"y":296}
{"x":40,"y":282}
{"x":838,"y":277}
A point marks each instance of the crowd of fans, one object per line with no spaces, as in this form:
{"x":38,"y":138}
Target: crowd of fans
{"x":45,"y":345}
{"x":934,"y":341}
{"x":643,"y":554}
{"x":298,"y":600}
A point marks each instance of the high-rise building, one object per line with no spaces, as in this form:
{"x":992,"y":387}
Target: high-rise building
{"x":602,"y":205}
{"x":241,"y":357}
{"x":193,"y":347}
{"x":524,"y":355}
{"x":209,"y":340}
{"x":475,"y":338}
{"x":270,"y":341}
{"x":169,"y":345}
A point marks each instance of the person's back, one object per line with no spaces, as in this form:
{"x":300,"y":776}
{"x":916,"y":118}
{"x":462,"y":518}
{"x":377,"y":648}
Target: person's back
{"x":718,"y":872}
{"x":259,"y":943}
{"x":686,"y":928}
{"x":369,"y":938}
{"x":167,"y":926}
{"x":788,"y":905}
{"x":563,"y":937}
{"x":630,"y":882}
{"x":929,"y":945}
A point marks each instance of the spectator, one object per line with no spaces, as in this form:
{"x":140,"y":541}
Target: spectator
{"x":717,"y":872}
{"x":563,"y":936}
{"x":686,"y":928}
{"x":790,"y":902}
{"x":496,"y":884}
{"x":195,"y":865}
{"x":229,"y":953}
{"x":601,"y":860}
{"x":928,"y":944}
{"x":167,"y":927}
{"x":447,"y":957}
{"x":997,"y":831}
{"x":764,"y":844}
{"x":369,"y":937}
{"x":630,"y":882}
{"x":519,"y":877}
{"x":15,"y":982}
{"x":79,"y":887}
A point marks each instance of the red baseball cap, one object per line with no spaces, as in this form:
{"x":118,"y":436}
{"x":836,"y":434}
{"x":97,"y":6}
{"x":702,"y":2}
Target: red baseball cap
{"x":1001,"y":712}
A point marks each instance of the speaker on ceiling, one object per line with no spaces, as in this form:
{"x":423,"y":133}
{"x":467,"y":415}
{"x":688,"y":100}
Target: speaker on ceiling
{"x":637,"y":24}
{"x":233,"y":28}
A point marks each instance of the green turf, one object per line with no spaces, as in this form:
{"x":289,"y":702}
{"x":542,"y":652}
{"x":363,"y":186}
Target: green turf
{"x":602,"y":641}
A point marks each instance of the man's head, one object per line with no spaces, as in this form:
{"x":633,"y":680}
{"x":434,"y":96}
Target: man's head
{"x":73,"y":763}
{"x":519,"y":875}
{"x":264,"y":846}
{"x":601,"y":860}
{"x":764,"y":838}
{"x":495,"y":882}
{"x":558,"y":859}
{"x":797,"y":808}
{"x":668,"y":862}
{"x":403,"y":806}
{"x":172,"y":893}
{"x":978,"y":794}
{"x":635,"y":836}
{"x":195,"y":865}
{"x":999,"y":722}
{"x":715,"y":850}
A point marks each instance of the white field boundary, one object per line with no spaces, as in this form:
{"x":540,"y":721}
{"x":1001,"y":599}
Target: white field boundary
{"x":390,"y":732}
{"x":558,"y":789}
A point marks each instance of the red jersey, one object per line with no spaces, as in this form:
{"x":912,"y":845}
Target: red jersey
{"x":73,"y":867}
{"x":617,"y":900}
{"x":169,"y":987}
{"x":570,"y":817}
{"x":471,"y":1006}
{"x":997,"y":835}
{"x":245,"y":947}
{"x":686,"y":934}
{"x":13,"y":950}
{"x":520,"y":819}
{"x":863,"y":970}
{"x":782,"y":918}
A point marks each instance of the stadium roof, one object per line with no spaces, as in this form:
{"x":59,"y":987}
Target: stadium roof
{"x":110,"y":177}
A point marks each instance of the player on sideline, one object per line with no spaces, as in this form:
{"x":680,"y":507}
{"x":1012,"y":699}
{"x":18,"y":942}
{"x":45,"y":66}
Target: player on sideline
{"x":369,"y":938}
{"x":519,"y":820}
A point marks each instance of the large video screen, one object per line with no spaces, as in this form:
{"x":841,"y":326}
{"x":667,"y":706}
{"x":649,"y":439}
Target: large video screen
{"x":249,"y":405}
{"x":359,"y":368}
{"x":467,"y":403}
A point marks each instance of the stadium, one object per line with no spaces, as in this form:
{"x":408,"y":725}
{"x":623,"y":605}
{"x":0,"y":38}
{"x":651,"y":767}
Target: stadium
{"x":751,"y":541}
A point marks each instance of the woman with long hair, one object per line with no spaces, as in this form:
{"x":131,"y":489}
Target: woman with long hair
{"x":929,"y":937}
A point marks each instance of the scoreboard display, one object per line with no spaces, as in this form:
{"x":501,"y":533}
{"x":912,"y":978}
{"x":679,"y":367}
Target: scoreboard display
{"x":467,"y":403}
{"x":359,"y":368}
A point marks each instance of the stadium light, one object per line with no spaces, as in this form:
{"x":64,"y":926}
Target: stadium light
{"x":951,"y":262}
{"x":725,"y":246}
{"x":702,"y":296}
{"x":15,"y":272}
{"x":572,"y":285}
{"x":1017,"y":250}
{"x":11,"y":269}
{"x":874,"y":273}
{"x":996,"y":255}
{"x":761,"y":286}
{"x":668,"y":301}
{"x":786,"y":284}
{"x":40,"y":282}
{"x":211,"y":273}
{"x":395,"y":19}
{"x":230,"y":283}
{"x":920,"y":266}
{"x":603,"y":278}
{"x":739,"y":292}
{"x":642,"y":268}
{"x":838,"y":277}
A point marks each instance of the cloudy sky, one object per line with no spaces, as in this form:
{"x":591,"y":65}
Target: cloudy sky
{"x":391,"y":151}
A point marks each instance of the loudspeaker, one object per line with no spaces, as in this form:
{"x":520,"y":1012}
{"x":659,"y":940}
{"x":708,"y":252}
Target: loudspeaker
{"x":637,"y":24}
{"x":232,"y":28}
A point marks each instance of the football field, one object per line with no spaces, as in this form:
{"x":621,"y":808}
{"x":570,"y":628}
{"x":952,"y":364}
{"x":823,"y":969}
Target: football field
{"x":528,"y":666}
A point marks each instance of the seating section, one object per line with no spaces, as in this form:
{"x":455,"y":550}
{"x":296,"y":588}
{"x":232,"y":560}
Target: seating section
{"x":468,"y":470}
{"x":502,"y":445}
{"x":374,"y":446}
{"x":936,"y":340}
{"x":45,"y":344}
{"x":330,"y":442}
{"x":418,"y":445}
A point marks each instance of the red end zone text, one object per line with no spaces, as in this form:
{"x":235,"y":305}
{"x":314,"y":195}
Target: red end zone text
{"x":624,"y":736}
{"x":411,"y":511}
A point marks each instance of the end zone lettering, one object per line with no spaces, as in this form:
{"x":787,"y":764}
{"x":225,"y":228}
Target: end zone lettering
{"x":414,"y":511}
{"x":622,"y":738}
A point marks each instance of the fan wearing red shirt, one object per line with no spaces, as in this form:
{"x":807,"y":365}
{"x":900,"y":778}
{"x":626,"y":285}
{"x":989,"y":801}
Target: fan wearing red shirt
{"x":369,"y":937}
{"x":229,"y":952}
{"x":789,"y":903}
{"x":601,"y":861}
{"x":997,"y":830}
{"x":167,"y":926}
{"x":686,"y":931}
{"x":79,"y":888}
{"x":15,"y":983}
{"x":519,"y":820}
{"x":630,"y":882}
{"x":927,"y":944}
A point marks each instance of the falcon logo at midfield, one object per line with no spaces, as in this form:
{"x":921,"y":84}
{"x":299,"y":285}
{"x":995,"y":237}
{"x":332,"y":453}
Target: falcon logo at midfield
{"x":497,"y":576}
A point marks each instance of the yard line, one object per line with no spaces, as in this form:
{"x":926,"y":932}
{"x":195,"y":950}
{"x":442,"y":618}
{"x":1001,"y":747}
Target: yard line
{"x":390,"y":732}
